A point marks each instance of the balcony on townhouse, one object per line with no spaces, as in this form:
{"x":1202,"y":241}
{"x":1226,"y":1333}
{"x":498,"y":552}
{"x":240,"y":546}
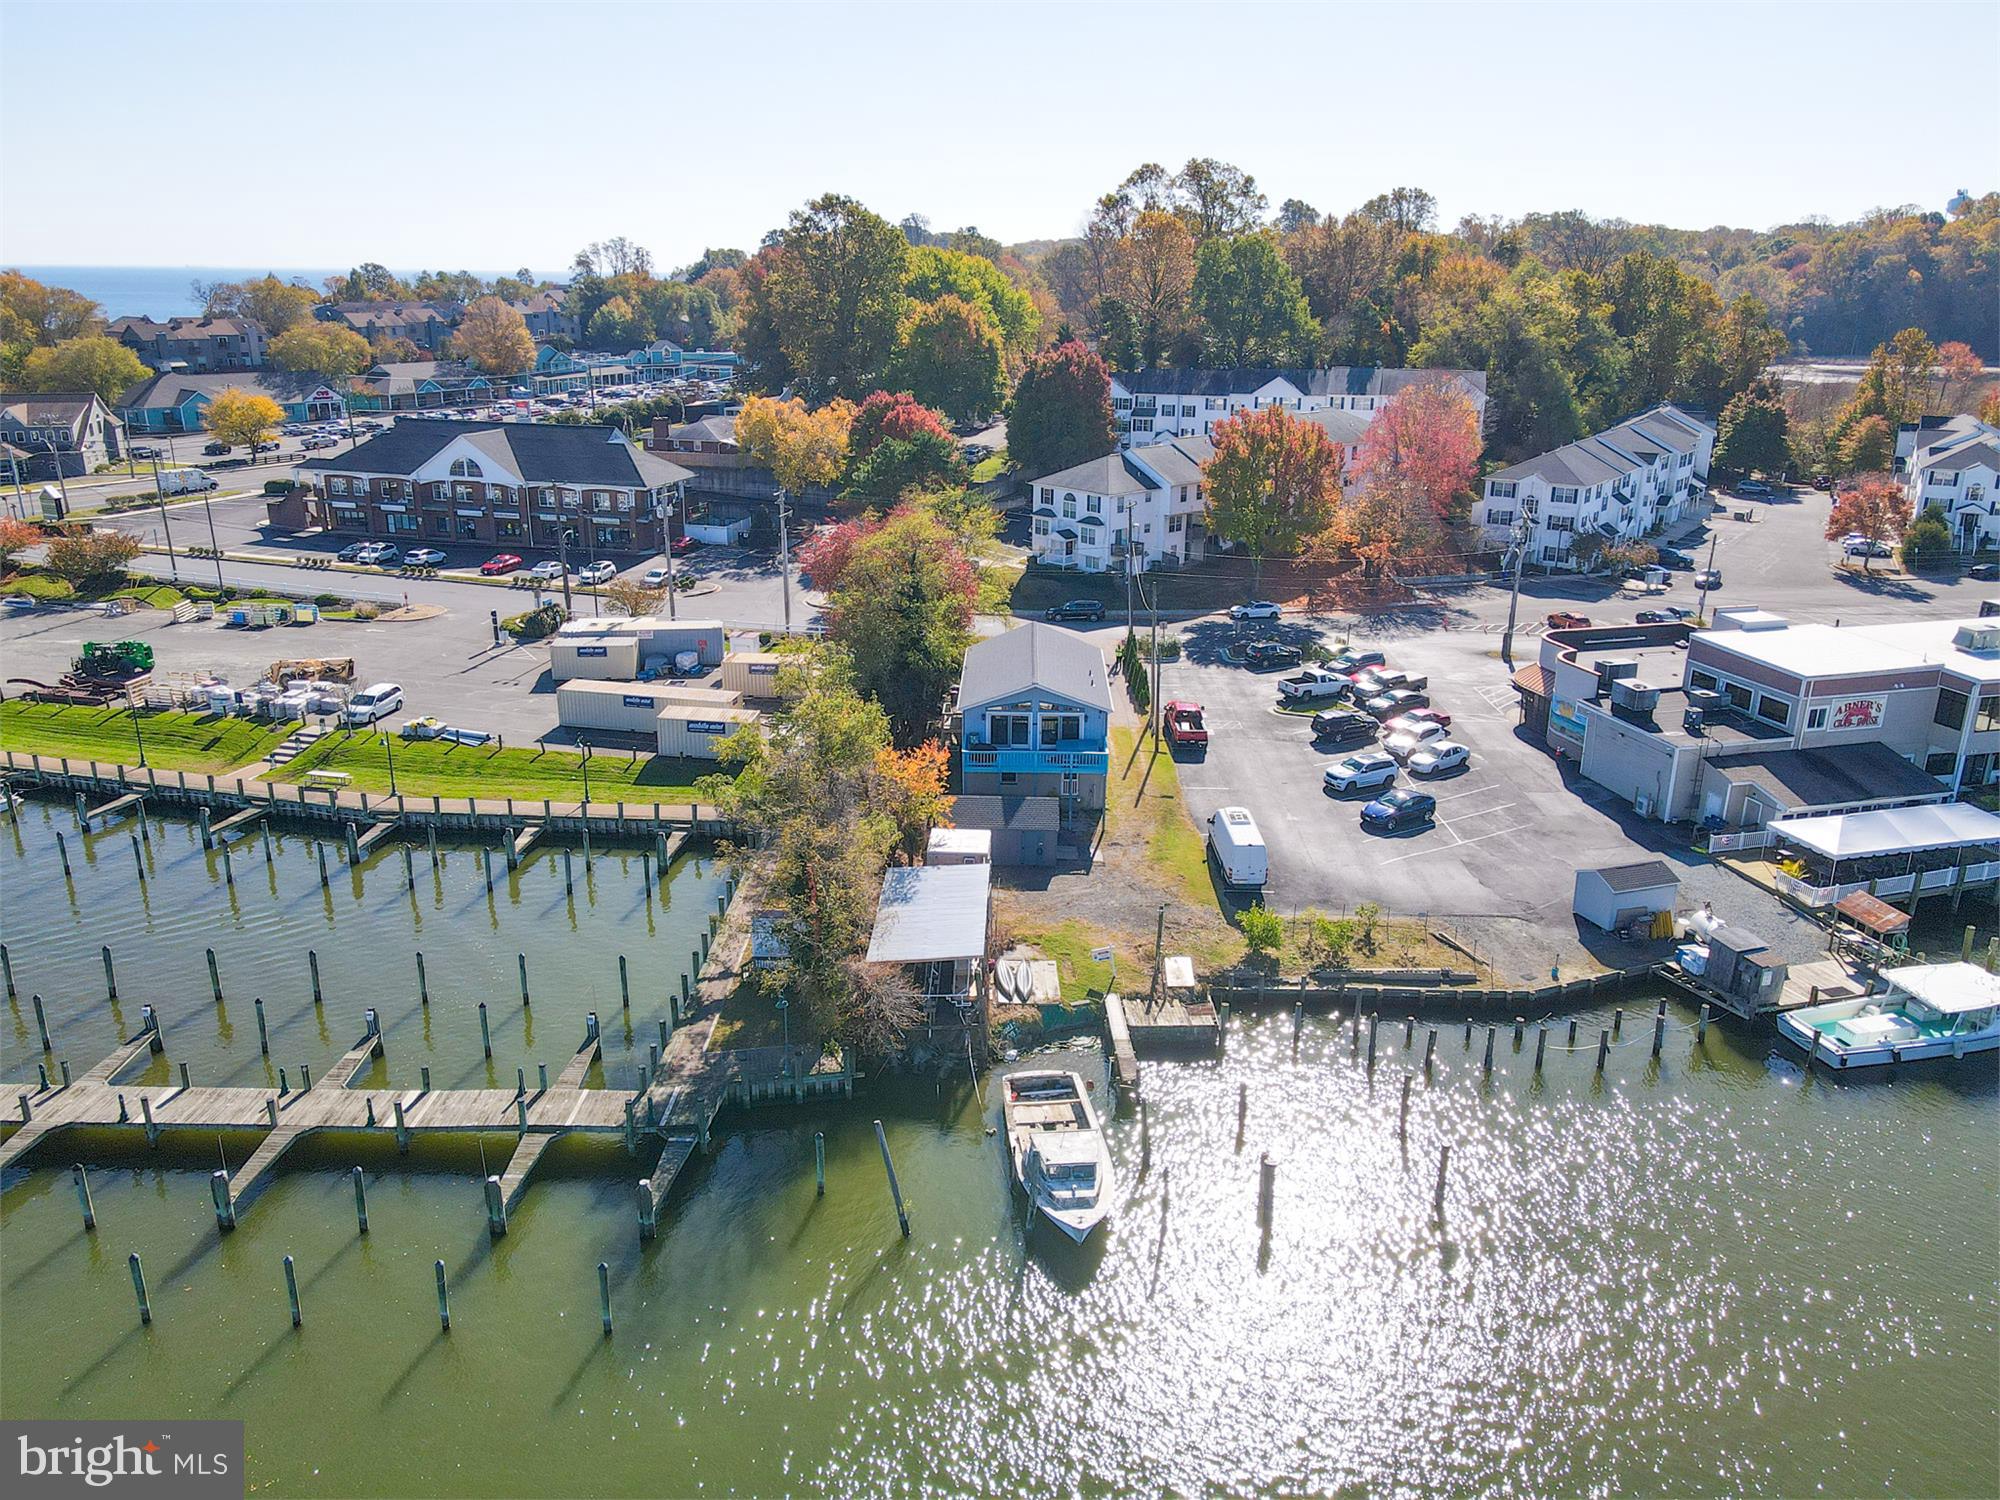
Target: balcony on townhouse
{"x":1032,"y":760}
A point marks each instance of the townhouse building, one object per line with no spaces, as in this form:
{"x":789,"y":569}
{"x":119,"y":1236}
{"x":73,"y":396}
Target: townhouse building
{"x":197,"y":344}
{"x":423,"y":384}
{"x":175,"y":401}
{"x":1154,"y":405}
{"x":425,"y":324}
{"x":509,"y":485}
{"x":1132,"y":510}
{"x":60,"y":434}
{"x":1617,"y":485}
{"x":1954,"y":464}
{"x":545,"y":316}
{"x":1034,"y":708}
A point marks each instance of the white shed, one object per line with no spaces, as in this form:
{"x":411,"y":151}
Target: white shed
{"x":1616,"y":894}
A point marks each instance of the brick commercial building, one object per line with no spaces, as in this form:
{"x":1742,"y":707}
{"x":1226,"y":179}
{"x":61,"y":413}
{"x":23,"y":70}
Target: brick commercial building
{"x":511,"y":485}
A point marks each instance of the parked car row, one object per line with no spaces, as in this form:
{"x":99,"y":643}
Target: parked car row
{"x":1386,"y":712}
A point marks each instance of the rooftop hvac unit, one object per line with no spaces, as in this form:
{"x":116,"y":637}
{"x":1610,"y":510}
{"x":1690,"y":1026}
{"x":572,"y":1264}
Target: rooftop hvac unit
{"x":1707,"y":700}
{"x":1637,"y":696}
{"x":1611,"y":668}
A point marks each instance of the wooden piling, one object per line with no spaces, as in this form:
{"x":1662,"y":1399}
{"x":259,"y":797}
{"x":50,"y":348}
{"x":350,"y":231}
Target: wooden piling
{"x":225,"y":1208}
{"x":360,"y":1200}
{"x":444,"y":1305}
{"x":263,"y":1033}
{"x":1430,"y":1047}
{"x":138,"y":859}
{"x":423,"y":983}
{"x":1519,"y":1024}
{"x":146,"y":1112}
{"x":631,"y":1129}
{"x":27,"y":1109}
{"x":207,"y":834}
{"x":895,"y":1189}
{"x":486,"y":860}
{"x":485,"y":1033}
{"x":1267,"y":1192}
{"x":1701,"y":1024}
{"x":81,"y":1180}
{"x":62,"y":853}
{"x":624,"y":984}
{"x":1409,"y":1032}
{"x":139,"y":1289}
{"x":63,"y":1063}
{"x":496,"y":1208}
{"x":424,"y":1077}
{"x":312,"y":962}
{"x":185,"y":1084}
{"x":542,"y":1069}
{"x":353,"y":846}
{"x":1403,"y":1115}
{"x":604,"y":1295}
{"x":409,"y":871}
{"x":1444,"y":1166}
{"x":1242,"y":1111}
{"x":1618,"y":1021}
{"x":1572,"y":1034}
{"x":228,"y":869}
{"x":522,"y":960}
{"x":687,"y":992}
{"x":7,"y":969}
{"x":42,"y":1024}
{"x":1541,"y":1045}
{"x":1487,"y":1065}
{"x":320,"y":850}
{"x":432,"y":831}
{"x":270,"y":854}
{"x":1373,"y":1021}
{"x":569,"y":874}
{"x":819,"y":1164}
{"x":1603,"y":1047}
{"x":648,"y":1214}
{"x":1659,"y":1031}
{"x":214,"y":977}
{"x":402,"y":1129}
{"x":110,"y":978}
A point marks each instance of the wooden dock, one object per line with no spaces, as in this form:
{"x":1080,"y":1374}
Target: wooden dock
{"x":117,"y":807}
{"x":679,"y":1104}
{"x":1124,"y":1060}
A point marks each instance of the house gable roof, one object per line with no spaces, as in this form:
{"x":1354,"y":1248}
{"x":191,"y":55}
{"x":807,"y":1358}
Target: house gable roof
{"x":538,"y":452}
{"x":1034,"y":658}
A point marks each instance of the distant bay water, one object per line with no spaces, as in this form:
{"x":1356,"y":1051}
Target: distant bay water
{"x":166,"y":291}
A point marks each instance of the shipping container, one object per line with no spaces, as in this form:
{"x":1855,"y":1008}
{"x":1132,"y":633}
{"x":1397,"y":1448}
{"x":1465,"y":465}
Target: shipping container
{"x":754,"y":674}
{"x":693,"y":731}
{"x":606,"y":649}
{"x":660,"y":641}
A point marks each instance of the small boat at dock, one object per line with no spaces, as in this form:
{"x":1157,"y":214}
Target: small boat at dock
{"x":1927,"y":1011}
{"x":1056,"y":1149}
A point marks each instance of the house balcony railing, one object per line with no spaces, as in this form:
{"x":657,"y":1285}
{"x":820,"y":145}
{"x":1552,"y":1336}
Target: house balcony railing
{"x":1082,"y":761}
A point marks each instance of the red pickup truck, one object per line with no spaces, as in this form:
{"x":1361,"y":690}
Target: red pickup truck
{"x":1184,"y":726}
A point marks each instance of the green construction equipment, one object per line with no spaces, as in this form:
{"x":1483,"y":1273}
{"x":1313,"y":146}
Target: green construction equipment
{"x":115,"y":659}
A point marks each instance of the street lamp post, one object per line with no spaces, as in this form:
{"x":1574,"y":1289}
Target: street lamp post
{"x":586,"y":777}
{"x":132,"y":704}
{"x":389,"y":749}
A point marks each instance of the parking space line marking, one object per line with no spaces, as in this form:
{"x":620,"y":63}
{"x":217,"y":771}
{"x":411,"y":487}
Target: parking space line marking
{"x":1482,"y":812}
{"x":1474,"y":791}
{"x":1448,"y":848}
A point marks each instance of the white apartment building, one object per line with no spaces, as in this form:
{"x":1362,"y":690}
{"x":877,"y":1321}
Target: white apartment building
{"x":1154,"y":405}
{"x":1954,"y":464}
{"x":1622,"y":484}
{"x":1140,"y":508}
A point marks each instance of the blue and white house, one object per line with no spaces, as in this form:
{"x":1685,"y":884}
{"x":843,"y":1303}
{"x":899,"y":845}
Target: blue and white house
{"x":1034,"y":708}
{"x":175,"y":402}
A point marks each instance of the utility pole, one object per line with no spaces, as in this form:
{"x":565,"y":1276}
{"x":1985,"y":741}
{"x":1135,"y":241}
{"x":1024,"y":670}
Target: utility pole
{"x":1153,"y":654}
{"x":1714,"y":536}
{"x":214,"y":545}
{"x":160,"y":494}
{"x":785,"y":558}
{"x":1520,"y":548}
{"x":667,"y":531}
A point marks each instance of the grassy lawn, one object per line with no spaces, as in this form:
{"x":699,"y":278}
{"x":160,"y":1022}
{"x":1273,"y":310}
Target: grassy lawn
{"x":990,"y":467}
{"x":1143,"y":801}
{"x":997,"y":584}
{"x":433,"y":768}
{"x":174,"y":741}
{"x":750,"y":1019}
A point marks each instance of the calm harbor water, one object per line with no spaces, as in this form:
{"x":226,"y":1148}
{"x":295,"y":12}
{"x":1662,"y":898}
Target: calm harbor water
{"x":1701,"y":1275}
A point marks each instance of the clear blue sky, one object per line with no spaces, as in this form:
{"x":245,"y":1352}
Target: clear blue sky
{"x":490,"y":135}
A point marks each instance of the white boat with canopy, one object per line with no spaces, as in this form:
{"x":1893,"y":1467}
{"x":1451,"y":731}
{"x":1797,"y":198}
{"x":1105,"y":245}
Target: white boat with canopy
{"x":1928,"y":1011}
{"x":1056,"y":1149}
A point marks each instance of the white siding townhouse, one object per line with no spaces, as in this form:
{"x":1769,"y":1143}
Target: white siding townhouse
{"x":1955,"y":465}
{"x":1153,"y":405}
{"x":1622,"y":484}
{"x":1138,"y":508}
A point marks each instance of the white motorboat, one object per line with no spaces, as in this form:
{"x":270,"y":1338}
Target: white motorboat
{"x":1057,"y":1151}
{"x":1928,"y":1010}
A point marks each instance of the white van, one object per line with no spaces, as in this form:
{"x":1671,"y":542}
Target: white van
{"x":1238,"y":848}
{"x":372,"y":703}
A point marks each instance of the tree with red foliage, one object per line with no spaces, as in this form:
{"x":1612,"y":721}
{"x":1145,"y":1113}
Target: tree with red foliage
{"x":893,"y":414}
{"x":1273,"y":482}
{"x":1062,"y":411}
{"x":1426,"y":440}
{"x":824,"y":558}
{"x":1874,"y":510}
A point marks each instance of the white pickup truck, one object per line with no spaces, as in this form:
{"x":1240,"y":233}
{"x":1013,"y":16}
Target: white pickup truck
{"x":1313,"y":685}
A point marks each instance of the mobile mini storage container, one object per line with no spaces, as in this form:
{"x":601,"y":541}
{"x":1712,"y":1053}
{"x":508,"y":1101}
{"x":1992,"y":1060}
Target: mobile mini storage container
{"x":754,"y":674}
{"x":628,"y":707}
{"x":594,"y":648}
{"x":694,"y":730}
{"x":660,"y":641}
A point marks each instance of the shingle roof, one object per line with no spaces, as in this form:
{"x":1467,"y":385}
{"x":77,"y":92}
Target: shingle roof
{"x":1112,"y":474}
{"x":1017,"y":814}
{"x":1644,"y":875}
{"x":1606,"y":455}
{"x":1010,"y":665}
{"x":1965,"y":457}
{"x":540,"y":452}
{"x":1344,"y":427}
{"x":1179,"y":461}
{"x":173,"y":389}
{"x":59,"y":407}
{"x":1570,"y":464}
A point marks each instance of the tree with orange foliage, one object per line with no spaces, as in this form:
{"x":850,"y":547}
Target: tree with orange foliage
{"x":1273,"y":482}
{"x":1874,"y":510}
{"x":915,"y":782}
{"x":17,"y":536}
